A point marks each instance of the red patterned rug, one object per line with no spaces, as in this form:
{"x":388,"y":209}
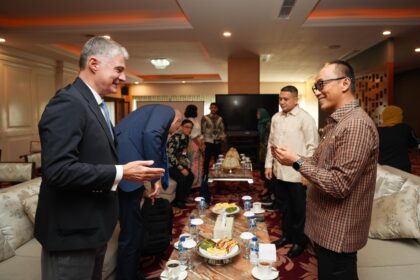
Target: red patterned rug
{"x":303,"y":267}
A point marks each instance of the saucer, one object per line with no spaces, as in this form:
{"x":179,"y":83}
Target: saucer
{"x":274,"y":274}
{"x":258,"y":212}
{"x":182,"y":275}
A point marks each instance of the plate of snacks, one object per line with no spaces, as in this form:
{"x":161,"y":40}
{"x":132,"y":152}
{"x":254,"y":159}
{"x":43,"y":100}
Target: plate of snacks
{"x":218,"y":251}
{"x":228,"y":208}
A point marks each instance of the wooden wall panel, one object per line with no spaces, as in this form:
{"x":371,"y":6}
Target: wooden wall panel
{"x":18,"y":95}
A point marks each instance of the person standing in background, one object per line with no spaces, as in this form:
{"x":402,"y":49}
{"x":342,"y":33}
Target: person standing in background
{"x":213,"y":131}
{"x":179,"y":164}
{"x":142,"y":135}
{"x":341,"y":174}
{"x":395,"y":139}
{"x":293,"y":127}
{"x":78,"y":206}
{"x":196,"y":146}
{"x":263,"y":127}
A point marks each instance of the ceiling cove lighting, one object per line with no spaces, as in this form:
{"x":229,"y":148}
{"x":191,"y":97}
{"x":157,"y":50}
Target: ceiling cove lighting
{"x":160,"y":63}
{"x":386,"y":33}
{"x":2,"y":40}
{"x":227,"y":34}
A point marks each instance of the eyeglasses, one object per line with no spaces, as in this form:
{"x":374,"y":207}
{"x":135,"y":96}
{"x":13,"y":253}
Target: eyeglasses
{"x":319,"y":85}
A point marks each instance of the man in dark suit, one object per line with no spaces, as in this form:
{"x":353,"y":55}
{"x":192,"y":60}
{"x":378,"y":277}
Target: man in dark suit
{"x":141,"y":135}
{"x":78,"y":206}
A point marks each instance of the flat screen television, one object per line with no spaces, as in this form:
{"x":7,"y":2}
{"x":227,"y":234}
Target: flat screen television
{"x":239,"y":110}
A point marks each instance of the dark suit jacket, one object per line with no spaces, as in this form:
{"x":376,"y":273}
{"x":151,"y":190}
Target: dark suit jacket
{"x":142,"y":135}
{"x":76,"y":209}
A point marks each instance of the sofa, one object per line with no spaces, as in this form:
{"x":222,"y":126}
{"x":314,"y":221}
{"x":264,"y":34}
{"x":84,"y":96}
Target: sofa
{"x":19,"y":251}
{"x":393,"y":249}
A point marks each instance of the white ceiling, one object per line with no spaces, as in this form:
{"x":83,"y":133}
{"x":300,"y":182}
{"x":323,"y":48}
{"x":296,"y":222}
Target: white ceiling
{"x":189,"y":33}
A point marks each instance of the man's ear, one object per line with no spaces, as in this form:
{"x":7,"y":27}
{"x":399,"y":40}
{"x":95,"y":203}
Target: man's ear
{"x":346,"y":84}
{"x":93,"y":64}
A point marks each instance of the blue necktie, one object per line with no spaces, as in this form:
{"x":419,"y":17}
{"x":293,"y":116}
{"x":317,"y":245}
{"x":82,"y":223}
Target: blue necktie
{"x":165,"y":179}
{"x":108,"y":120}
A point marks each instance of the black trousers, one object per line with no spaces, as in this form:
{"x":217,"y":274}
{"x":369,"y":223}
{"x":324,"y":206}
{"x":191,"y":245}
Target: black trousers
{"x":131,"y":234}
{"x":212,"y":149}
{"x":336,"y":266}
{"x":292,"y":202}
{"x":183,"y":183}
{"x":78,"y":264}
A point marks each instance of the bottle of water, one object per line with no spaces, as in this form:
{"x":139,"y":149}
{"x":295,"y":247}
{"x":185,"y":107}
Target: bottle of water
{"x":202,"y":208}
{"x":183,"y":258}
{"x":190,"y":226}
{"x":254,"y":248}
{"x":252,"y":225}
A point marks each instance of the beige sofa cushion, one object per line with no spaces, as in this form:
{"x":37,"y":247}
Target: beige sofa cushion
{"x":387,"y":183}
{"x":14,"y":223}
{"x":395,"y":216}
{"x":6,"y":251}
{"x":29,"y":206}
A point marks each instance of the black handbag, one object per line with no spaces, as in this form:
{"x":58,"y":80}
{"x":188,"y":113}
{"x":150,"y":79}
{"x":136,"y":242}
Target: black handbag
{"x":157,"y":226}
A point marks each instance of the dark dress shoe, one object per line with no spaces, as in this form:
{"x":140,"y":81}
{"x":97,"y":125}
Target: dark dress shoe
{"x":272,"y":208}
{"x":281,"y":242}
{"x":179,"y":204}
{"x":295,"y":251}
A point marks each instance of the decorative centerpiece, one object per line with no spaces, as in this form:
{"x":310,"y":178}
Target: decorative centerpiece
{"x":231,"y":161}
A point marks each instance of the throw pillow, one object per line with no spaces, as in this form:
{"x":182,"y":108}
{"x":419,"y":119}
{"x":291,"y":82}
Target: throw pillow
{"x":6,"y":251}
{"x":29,"y":205}
{"x":387,"y":183}
{"x":14,"y":223}
{"x":395,"y":216}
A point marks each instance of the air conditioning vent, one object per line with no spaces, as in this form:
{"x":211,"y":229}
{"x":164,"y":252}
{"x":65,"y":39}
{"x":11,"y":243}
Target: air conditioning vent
{"x":286,"y":9}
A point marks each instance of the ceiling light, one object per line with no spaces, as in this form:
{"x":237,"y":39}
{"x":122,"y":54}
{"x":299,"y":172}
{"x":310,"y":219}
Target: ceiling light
{"x":2,"y":40}
{"x":136,"y":82}
{"x":183,"y":82}
{"x":266,"y":57}
{"x":417,"y":49}
{"x":227,"y":34}
{"x":386,"y":33}
{"x":160,"y":63}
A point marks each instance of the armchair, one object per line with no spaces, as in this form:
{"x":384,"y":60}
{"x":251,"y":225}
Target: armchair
{"x":15,"y":172}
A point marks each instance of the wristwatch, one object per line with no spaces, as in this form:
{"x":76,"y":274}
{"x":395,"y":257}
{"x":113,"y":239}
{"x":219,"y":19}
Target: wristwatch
{"x":297,"y":164}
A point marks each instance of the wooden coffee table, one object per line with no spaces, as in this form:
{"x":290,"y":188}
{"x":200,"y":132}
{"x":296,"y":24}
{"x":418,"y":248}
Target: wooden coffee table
{"x":239,"y":268}
{"x":240,"y":175}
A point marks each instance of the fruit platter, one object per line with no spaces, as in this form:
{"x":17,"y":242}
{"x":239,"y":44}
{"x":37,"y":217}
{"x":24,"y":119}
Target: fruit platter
{"x":228,"y":208}
{"x":218,"y":251}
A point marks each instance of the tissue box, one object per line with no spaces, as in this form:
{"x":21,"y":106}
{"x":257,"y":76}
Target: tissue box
{"x":223,"y":227}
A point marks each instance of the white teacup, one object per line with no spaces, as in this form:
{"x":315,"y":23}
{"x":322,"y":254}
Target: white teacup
{"x":173,"y":269}
{"x":264,"y":267}
{"x":256,"y":206}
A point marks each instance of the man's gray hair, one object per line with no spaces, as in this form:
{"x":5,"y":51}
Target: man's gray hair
{"x":102,"y":47}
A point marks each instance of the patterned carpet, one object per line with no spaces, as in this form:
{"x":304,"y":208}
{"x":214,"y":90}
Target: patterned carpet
{"x":303,"y":267}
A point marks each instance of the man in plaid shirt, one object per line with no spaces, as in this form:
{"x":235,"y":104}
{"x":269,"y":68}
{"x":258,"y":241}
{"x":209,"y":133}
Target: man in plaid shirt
{"x":340,"y":175}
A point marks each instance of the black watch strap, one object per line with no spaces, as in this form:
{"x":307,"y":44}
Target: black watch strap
{"x":298,"y":163}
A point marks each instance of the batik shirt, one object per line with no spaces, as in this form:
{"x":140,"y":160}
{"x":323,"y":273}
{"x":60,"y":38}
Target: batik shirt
{"x":177,"y":150}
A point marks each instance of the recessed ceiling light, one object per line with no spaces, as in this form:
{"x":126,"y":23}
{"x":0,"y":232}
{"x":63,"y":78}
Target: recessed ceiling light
{"x":183,"y":82}
{"x":160,"y":63}
{"x":386,"y":33}
{"x":302,"y":81}
{"x":227,"y":34}
{"x":2,"y":40}
{"x":107,"y":37}
{"x":136,"y":82}
{"x":417,"y":49}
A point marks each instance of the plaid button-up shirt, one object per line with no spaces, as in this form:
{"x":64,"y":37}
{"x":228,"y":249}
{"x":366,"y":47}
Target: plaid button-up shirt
{"x":342,"y":173}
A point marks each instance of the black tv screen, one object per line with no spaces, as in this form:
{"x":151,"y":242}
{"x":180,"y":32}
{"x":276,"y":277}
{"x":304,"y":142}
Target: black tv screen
{"x":239,"y":110}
